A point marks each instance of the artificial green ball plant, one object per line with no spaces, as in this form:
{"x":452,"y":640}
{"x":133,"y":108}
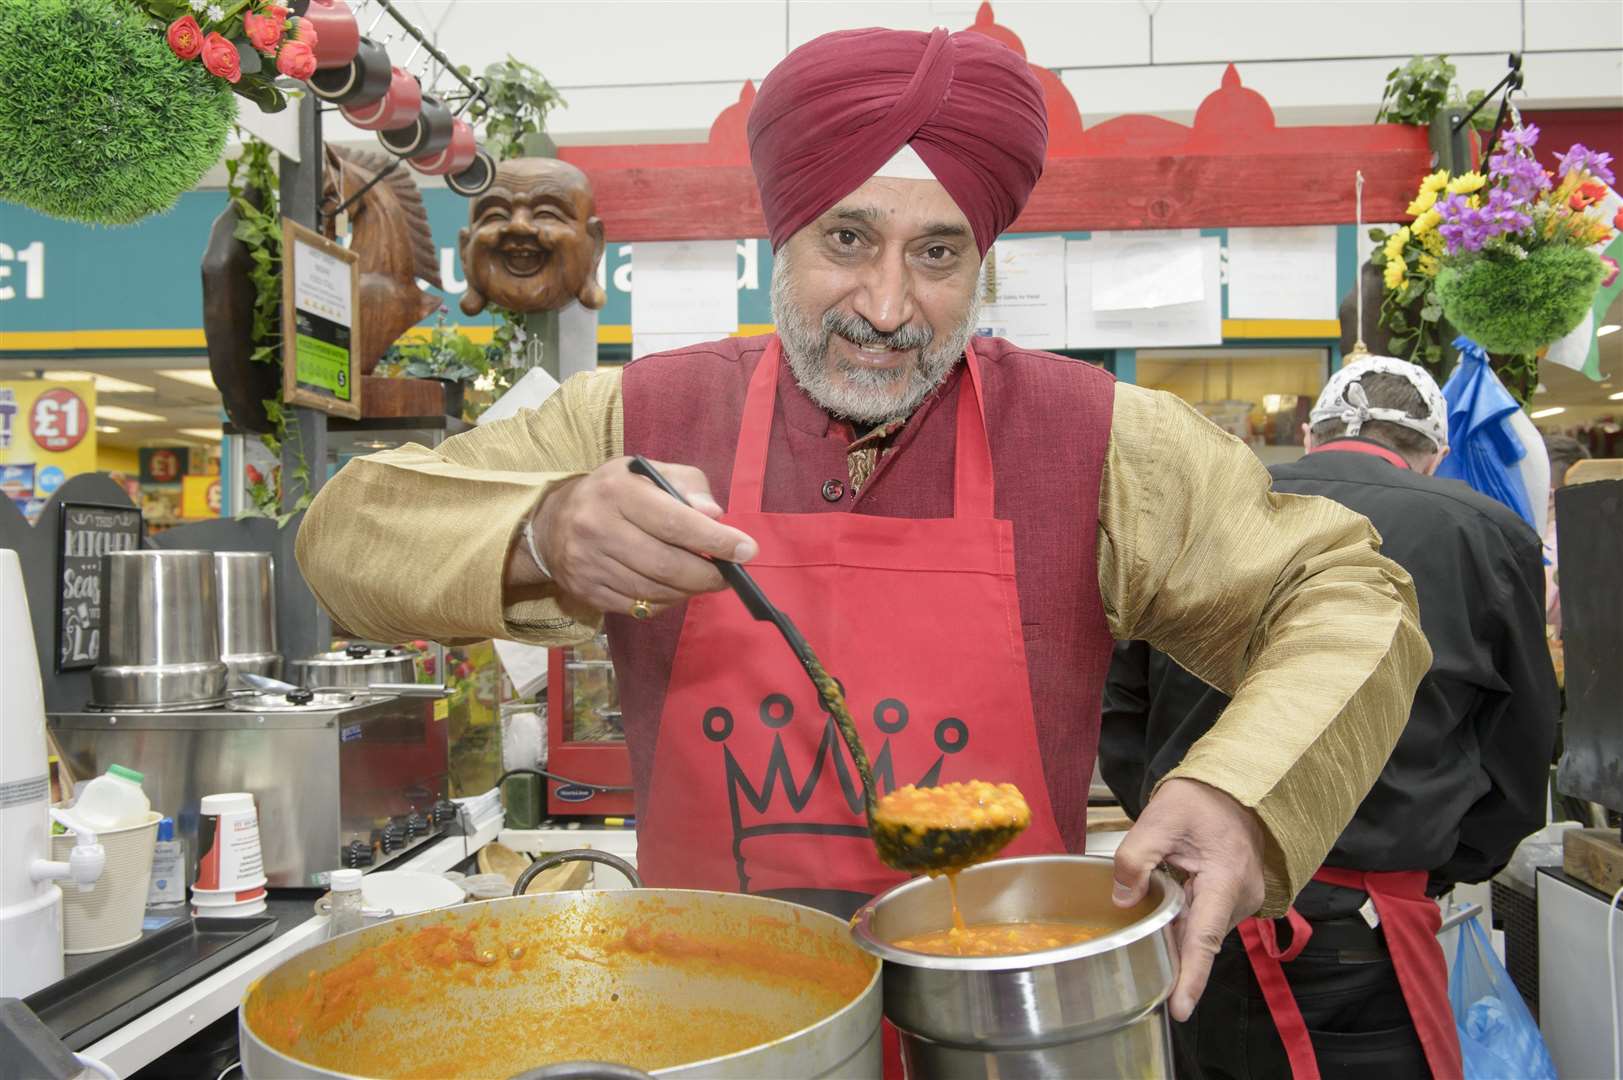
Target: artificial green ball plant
{"x":99,"y":121}
{"x":1519,"y":305}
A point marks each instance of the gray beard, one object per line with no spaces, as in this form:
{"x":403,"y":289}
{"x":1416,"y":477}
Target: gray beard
{"x":861,"y":394}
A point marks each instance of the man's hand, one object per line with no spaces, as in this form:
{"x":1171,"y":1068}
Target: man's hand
{"x":611,"y":538}
{"x":1218,"y":844}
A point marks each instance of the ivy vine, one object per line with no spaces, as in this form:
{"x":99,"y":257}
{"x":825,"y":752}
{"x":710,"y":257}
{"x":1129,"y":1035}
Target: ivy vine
{"x":251,"y":182}
{"x":1419,"y":90}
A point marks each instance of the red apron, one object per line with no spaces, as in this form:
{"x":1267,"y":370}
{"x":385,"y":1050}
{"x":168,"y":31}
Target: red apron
{"x":1409,"y":922}
{"x":752,"y":789}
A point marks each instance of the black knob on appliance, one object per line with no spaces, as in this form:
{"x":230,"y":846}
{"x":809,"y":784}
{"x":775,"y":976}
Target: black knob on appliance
{"x":416,"y":825}
{"x":357,"y":652}
{"x":356,"y":854}
{"x":443,"y":812}
{"x":300,"y":696}
{"x":393,"y":838}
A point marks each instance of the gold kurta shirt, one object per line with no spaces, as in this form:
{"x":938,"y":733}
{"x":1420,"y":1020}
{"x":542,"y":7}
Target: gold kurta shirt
{"x":1282,"y":601}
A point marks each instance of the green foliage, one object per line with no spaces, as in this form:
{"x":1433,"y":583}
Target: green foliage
{"x":99,"y":121}
{"x":1412,"y":314}
{"x":1519,"y":305}
{"x":251,"y":182}
{"x":513,"y":112}
{"x":1419,"y":90}
{"x":447,"y":354}
{"x":258,"y":73}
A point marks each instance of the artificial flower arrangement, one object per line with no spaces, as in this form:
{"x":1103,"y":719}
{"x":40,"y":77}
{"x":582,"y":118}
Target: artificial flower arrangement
{"x":1505,"y":257}
{"x":246,"y":43}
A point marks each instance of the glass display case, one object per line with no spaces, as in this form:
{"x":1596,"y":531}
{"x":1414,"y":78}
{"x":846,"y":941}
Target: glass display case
{"x":586,"y":742}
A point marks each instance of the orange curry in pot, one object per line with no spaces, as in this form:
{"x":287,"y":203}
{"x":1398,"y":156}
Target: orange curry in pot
{"x":494,"y":997}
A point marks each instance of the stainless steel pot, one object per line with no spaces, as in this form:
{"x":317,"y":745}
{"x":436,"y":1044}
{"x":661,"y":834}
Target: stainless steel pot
{"x":473,"y":990}
{"x":1092,"y":1009}
{"x":245,"y":584}
{"x":355,"y":668}
{"x":160,"y":643}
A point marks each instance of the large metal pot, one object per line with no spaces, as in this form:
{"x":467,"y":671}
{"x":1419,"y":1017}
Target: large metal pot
{"x":685,"y":984}
{"x":245,"y":583}
{"x":160,"y":643}
{"x":1092,"y":1009}
{"x":355,"y":668}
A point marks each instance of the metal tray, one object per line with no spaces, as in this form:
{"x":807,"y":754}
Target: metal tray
{"x":107,"y":994}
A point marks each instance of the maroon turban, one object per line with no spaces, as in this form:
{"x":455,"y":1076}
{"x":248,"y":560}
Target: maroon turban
{"x":836,"y":109}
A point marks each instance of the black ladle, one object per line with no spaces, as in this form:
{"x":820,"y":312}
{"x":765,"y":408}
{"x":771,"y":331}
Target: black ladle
{"x":900,"y":846}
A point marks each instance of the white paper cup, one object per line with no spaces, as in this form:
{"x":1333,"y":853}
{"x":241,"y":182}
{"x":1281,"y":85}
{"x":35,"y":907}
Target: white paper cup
{"x":226,"y":899}
{"x":230,"y":911}
{"x":228,"y":852}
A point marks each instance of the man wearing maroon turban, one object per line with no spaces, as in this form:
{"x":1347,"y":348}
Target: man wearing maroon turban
{"x":959,"y":526}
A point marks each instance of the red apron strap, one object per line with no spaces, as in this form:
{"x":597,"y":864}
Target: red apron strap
{"x":755,"y":433}
{"x":972,"y":486}
{"x":1262,"y":949}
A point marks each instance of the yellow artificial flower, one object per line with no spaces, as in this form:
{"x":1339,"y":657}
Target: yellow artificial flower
{"x":1433,"y":243}
{"x":1429,"y":265}
{"x":1434,"y":183}
{"x":1394,"y":273}
{"x":1427,"y":222}
{"x":1422,"y":202}
{"x":1395,"y":244}
{"x":1466,"y":183}
{"x":1474,"y":202}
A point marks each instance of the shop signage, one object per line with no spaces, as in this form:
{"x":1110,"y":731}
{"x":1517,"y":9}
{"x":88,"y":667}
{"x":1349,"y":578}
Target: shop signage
{"x":164,"y":464}
{"x":47,"y":433}
{"x":88,"y":533}
{"x":200,"y":497}
{"x":321,"y":318}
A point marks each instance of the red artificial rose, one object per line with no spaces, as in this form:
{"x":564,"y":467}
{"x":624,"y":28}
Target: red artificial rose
{"x":277,"y":12}
{"x":185,"y":37}
{"x":221,"y":59}
{"x":1593,"y":191}
{"x":1617,"y":222}
{"x":296,"y":60}
{"x":264,"y":32}
{"x":255,"y":476}
{"x":305,"y":31}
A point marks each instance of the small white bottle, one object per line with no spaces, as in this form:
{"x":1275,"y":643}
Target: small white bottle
{"x":345,"y":914}
{"x":168,"y":886}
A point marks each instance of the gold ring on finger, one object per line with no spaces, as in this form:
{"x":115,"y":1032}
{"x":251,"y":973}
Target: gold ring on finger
{"x":642,"y":610}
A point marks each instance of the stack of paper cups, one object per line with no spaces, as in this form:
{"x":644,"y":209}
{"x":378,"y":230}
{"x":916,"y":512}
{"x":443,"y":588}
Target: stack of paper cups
{"x":230,"y":869}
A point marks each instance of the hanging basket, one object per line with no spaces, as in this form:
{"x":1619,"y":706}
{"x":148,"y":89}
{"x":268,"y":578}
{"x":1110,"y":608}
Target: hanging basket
{"x":100,"y":122}
{"x":1518,"y":306}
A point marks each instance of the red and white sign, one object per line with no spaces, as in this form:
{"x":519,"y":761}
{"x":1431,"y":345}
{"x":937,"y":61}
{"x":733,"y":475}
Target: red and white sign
{"x":58,"y":420}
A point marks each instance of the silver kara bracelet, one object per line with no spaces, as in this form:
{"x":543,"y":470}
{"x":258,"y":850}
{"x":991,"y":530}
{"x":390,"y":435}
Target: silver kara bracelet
{"x":529,"y":545}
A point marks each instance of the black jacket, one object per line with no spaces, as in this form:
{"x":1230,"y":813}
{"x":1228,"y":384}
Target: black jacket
{"x":1467,"y":779}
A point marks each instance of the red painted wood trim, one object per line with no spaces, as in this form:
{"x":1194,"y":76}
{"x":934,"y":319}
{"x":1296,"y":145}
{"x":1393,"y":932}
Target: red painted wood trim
{"x":1232,"y":167}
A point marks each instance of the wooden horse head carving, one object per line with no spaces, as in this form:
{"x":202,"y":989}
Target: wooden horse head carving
{"x":389,"y":231}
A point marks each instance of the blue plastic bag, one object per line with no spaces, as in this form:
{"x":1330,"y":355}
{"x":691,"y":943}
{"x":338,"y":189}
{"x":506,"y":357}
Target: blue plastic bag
{"x":1499,"y":1040}
{"x":1483,"y":448}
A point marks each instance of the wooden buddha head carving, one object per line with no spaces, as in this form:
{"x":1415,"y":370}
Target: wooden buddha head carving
{"x":533,"y":240}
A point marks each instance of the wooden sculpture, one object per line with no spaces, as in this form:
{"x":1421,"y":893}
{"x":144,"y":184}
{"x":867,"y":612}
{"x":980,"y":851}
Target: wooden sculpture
{"x":228,"y":318}
{"x":389,"y":231}
{"x":533,"y":240}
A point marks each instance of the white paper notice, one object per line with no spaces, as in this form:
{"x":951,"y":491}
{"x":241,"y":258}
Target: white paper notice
{"x":644,"y":344}
{"x":685,"y":286}
{"x":1147,"y":270}
{"x":1283,"y":273}
{"x":321,"y":283}
{"x":1172,"y":326}
{"x":1024,"y":292}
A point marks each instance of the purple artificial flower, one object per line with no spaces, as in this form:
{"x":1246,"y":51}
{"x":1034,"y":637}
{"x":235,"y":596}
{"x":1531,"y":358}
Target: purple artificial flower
{"x":1594,"y":162}
{"x":1521,"y":137}
{"x":1520,"y":173}
{"x":1506,"y":211}
{"x":1465,"y":228}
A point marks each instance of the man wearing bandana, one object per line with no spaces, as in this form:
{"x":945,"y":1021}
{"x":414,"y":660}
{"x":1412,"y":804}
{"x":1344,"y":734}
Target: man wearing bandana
{"x":960,"y":526}
{"x":1353,"y":982}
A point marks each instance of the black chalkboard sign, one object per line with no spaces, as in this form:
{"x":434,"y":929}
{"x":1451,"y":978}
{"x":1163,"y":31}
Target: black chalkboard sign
{"x":88,"y":532}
